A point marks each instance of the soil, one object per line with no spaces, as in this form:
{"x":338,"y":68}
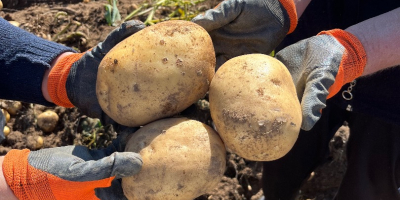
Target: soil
{"x":86,"y":26}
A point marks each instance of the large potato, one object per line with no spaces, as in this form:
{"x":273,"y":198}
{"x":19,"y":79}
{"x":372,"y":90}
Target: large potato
{"x":254,"y":106}
{"x":157,"y":72}
{"x":182,"y":159}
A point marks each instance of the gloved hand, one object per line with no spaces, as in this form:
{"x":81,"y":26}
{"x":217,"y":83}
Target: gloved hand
{"x":320,"y":66}
{"x":72,"y":81}
{"x":239,"y":27}
{"x":70,"y":172}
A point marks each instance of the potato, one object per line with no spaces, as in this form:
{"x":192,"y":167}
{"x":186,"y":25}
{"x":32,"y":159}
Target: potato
{"x":12,"y":107}
{"x":15,"y":23}
{"x":6,"y":115}
{"x":155,"y":73}
{"x":39,"y":142}
{"x":34,"y":142}
{"x":1,"y":5}
{"x":182,"y":159}
{"x":6,"y":130}
{"x":47,"y":121}
{"x":254,"y":106}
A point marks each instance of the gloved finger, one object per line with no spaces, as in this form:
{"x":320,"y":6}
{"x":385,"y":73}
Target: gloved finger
{"x":74,"y":168}
{"x":314,"y":98}
{"x":223,"y":14}
{"x":117,"y":35}
{"x":119,"y":164}
{"x":115,"y":191}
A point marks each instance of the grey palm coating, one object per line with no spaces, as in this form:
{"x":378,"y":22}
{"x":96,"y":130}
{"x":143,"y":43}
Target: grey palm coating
{"x":78,"y":163}
{"x":313,"y":64}
{"x":239,"y":27}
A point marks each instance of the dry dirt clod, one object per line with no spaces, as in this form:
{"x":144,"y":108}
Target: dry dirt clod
{"x":47,"y":120}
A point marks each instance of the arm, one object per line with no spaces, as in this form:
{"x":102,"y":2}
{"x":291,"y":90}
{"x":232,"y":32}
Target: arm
{"x":45,"y":91}
{"x":322,"y":64}
{"x":301,"y":5}
{"x":24,"y":58}
{"x":380,"y":37}
{"x":5,"y":191}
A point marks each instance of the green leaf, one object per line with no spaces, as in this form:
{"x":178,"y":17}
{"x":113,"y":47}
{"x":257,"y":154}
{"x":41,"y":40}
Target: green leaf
{"x":112,"y":14}
{"x":107,"y":14}
{"x":116,"y":16}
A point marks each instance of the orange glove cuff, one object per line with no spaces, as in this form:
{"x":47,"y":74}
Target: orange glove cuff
{"x":353,"y":61}
{"x":29,"y":183}
{"x":291,"y":11}
{"x":57,"y":80}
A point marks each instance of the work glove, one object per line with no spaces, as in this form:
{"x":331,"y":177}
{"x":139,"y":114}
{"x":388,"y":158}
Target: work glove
{"x":239,"y":27}
{"x":70,"y":172}
{"x":320,"y":66}
{"x":72,"y":81}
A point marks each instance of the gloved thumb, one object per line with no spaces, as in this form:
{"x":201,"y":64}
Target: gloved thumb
{"x":125,"y":30}
{"x":118,"y":164}
{"x":222,"y":14}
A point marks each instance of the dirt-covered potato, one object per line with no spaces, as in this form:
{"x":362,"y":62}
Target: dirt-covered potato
{"x":254,"y":106}
{"x":182,"y":159}
{"x":47,"y":121}
{"x":6,"y":115}
{"x":157,"y":72}
{"x":12,"y":107}
{"x":6,"y":130}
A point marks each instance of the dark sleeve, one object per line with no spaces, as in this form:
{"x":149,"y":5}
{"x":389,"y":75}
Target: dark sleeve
{"x":24,"y":58}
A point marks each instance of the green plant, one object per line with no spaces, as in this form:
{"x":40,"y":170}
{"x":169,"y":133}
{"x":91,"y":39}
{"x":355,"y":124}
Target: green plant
{"x":112,"y":14}
{"x":176,"y":10}
{"x":90,"y":131}
{"x":61,"y":18}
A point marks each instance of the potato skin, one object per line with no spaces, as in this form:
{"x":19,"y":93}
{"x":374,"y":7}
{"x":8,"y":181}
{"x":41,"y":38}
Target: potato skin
{"x":47,"y":121}
{"x":254,"y":106}
{"x":155,"y":73}
{"x":182,"y":159}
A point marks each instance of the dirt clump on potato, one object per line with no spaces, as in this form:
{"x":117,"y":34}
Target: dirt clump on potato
{"x":254,"y":106}
{"x":155,"y":73}
{"x":182,"y":159}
